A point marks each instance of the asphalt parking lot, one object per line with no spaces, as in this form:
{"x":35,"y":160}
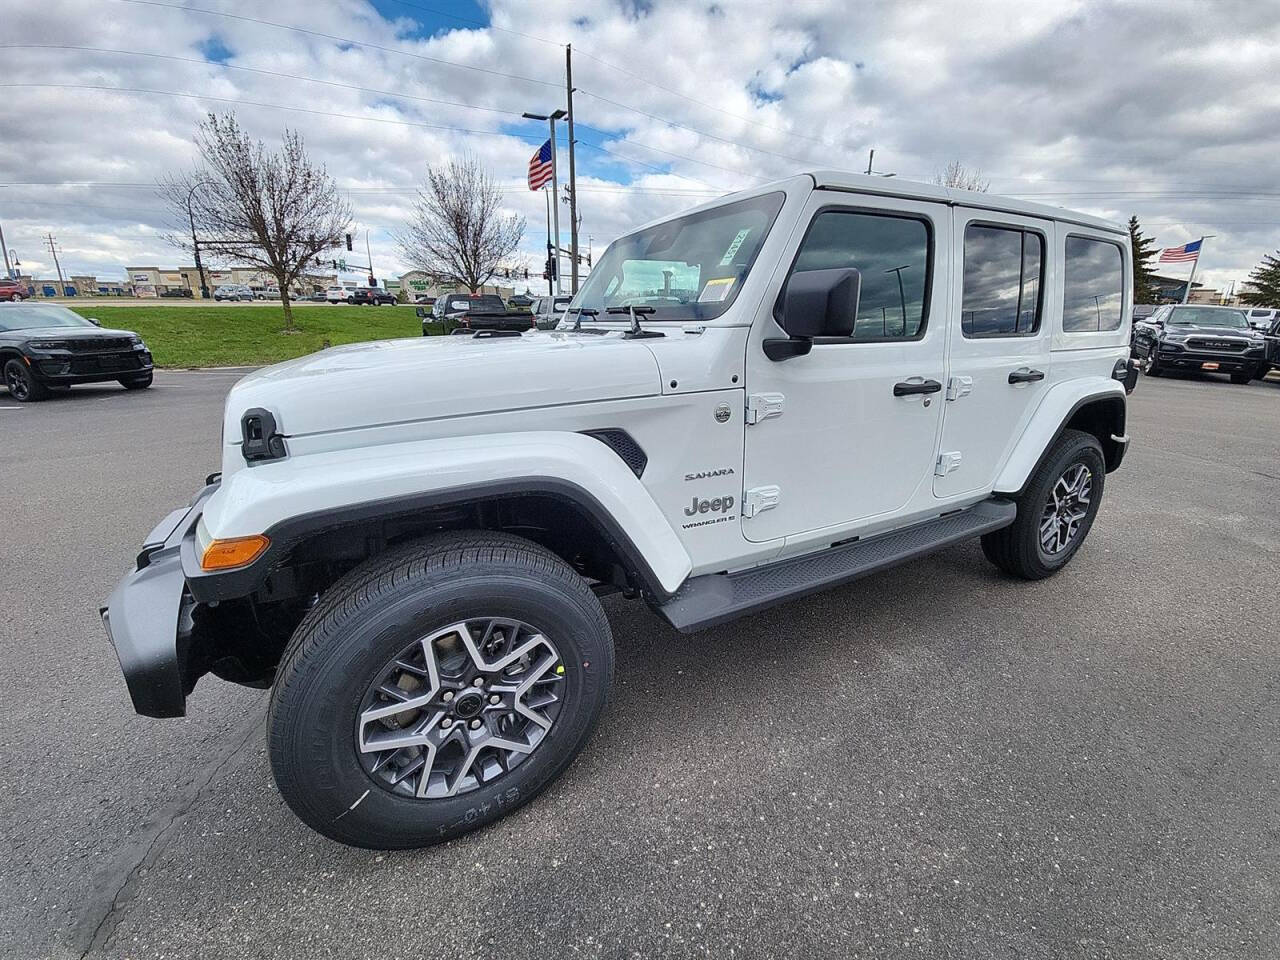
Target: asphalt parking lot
{"x":936,"y":761}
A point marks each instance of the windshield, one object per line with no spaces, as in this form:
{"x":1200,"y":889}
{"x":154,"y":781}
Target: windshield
{"x":1208,"y":317}
{"x":689,"y":268}
{"x":41,"y":315}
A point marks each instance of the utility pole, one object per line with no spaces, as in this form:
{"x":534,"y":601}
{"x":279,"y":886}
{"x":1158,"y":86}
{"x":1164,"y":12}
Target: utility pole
{"x":573,"y":180}
{"x":53,"y":248}
{"x":369,"y":257}
{"x":870,"y":159}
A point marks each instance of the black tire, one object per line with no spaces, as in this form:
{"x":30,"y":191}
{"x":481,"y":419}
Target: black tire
{"x":1151,"y":363}
{"x":1244,"y":377}
{"x":365,"y":621}
{"x":136,"y":383}
{"x":22,"y":386}
{"x":351,"y":301}
{"x":1016,"y":549}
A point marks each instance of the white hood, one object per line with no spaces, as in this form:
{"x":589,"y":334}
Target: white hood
{"x":426,"y":378}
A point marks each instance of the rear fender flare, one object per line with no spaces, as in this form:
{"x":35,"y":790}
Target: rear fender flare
{"x":1060,"y":404}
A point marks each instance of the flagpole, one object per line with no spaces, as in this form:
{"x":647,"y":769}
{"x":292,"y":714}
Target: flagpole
{"x":547,"y":194}
{"x":1186,"y":294}
{"x":555,"y":203}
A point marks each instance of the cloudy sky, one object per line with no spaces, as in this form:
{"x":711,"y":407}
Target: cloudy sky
{"x":1169,"y":110}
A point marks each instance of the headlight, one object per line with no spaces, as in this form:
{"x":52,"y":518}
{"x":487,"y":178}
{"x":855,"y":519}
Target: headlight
{"x":137,"y":344}
{"x":47,"y":344}
{"x":1176,"y":337}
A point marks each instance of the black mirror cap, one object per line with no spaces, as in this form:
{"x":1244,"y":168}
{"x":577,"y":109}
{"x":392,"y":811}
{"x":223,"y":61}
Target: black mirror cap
{"x":95,"y":321}
{"x":821,"y":303}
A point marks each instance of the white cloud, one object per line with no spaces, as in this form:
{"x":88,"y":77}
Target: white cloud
{"x":1138,"y":107}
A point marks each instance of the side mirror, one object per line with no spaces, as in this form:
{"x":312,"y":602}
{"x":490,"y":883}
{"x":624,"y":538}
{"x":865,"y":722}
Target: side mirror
{"x":816,"y":303}
{"x":421,"y":312}
{"x":95,"y":321}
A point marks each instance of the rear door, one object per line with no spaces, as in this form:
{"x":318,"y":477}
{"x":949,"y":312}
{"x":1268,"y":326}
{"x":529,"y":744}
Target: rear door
{"x":999,"y":345}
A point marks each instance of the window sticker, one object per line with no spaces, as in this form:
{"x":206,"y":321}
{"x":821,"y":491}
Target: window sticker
{"x":733,"y":247}
{"x":716,"y":290}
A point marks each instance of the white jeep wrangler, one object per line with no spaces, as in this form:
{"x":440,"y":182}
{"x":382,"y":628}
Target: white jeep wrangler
{"x":772,"y":394}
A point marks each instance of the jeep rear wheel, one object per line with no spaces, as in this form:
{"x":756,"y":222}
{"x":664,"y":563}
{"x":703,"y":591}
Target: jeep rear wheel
{"x":1055,"y":511}
{"x":437,"y":687}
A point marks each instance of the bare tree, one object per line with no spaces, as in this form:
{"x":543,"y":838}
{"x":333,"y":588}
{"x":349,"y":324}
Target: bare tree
{"x":457,"y":231}
{"x":958,"y":176}
{"x":274,"y":210}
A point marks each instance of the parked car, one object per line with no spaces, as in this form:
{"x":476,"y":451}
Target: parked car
{"x":339,"y":295}
{"x":424,"y":299}
{"x":13,"y":291}
{"x":408,"y":540}
{"x":1196,"y":337}
{"x":233,"y":291}
{"x":1261,"y":318}
{"x":267,"y":293}
{"x":178,"y":293}
{"x":315,"y":298}
{"x":1143,"y":310}
{"x":372,"y":296}
{"x":1271,"y":354}
{"x":547,"y":311}
{"x":46,"y":347}
{"x":461,"y":313}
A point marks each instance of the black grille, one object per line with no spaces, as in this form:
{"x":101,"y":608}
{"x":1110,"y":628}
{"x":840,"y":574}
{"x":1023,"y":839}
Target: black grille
{"x":105,"y":364}
{"x":99,"y":344}
{"x":624,"y":445}
{"x":1205,"y":343}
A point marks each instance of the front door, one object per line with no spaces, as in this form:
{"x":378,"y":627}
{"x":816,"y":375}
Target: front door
{"x":848,"y":432}
{"x":999,"y":346}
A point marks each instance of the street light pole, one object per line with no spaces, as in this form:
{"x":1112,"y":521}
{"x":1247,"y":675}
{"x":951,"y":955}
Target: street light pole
{"x":195,"y":244}
{"x":8,"y":268}
{"x":573,"y":180}
{"x":554,"y":247}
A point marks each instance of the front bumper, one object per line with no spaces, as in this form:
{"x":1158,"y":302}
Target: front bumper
{"x":65,"y":368}
{"x":1176,"y":357}
{"x":148,"y":617}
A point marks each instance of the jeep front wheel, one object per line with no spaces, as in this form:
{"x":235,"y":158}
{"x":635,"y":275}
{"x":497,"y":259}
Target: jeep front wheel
{"x":1055,"y":511}
{"x":436,"y":688}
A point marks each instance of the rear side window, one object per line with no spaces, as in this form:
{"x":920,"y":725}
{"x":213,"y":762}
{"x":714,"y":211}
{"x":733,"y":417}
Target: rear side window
{"x":1002,"y":267}
{"x":1093,"y":286}
{"x":891,"y":253}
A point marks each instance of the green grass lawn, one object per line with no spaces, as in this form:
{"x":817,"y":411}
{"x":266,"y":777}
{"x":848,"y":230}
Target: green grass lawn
{"x":250,"y":335}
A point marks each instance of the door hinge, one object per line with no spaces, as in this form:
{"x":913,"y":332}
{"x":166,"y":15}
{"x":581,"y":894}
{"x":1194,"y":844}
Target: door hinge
{"x":763,"y":406}
{"x":947,"y":463}
{"x":758,"y":499}
{"x":958,"y":387}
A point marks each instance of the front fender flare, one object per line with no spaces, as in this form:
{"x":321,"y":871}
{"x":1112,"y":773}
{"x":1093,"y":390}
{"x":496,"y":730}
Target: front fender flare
{"x":290,"y":499}
{"x":1060,"y":403}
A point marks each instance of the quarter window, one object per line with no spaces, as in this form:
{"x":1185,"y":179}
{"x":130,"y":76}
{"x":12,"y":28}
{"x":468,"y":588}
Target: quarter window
{"x":891,"y":253}
{"x":1093,"y":286}
{"x":1002,"y":268}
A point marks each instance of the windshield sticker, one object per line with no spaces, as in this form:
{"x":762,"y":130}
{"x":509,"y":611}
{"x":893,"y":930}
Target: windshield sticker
{"x":733,"y":247}
{"x":716,"y":290}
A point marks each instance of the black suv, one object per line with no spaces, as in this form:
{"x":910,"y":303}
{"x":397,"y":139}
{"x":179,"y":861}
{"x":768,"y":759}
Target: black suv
{"x":1192,"y":337}
{"x":371,"y":296}
{"x":44,"y":347}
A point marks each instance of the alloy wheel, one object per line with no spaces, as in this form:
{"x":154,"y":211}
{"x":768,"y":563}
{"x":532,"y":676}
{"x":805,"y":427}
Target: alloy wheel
{"x":1149,"y":361}
{"x":1065,"y":509}
{"x":16,"y":383}
{"x":459,"y":708}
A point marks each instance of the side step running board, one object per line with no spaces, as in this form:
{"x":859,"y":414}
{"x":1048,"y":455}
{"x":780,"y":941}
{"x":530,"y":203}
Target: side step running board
{"x":718,"y":597}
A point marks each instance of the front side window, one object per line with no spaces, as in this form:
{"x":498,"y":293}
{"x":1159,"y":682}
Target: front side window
{"x":689,"y":268}
{"x":891,"y":253}
{"x":1093,"y":286}
{"x":1002,"y":268}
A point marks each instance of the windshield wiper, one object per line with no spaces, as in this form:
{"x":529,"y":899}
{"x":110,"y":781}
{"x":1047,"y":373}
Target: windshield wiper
{"x":581,"y":311}
{"x":635,"y":333}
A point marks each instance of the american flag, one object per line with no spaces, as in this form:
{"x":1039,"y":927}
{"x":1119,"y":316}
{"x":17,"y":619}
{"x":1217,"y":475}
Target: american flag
{"x":1188,"y":251}
{"x":540,"y":166}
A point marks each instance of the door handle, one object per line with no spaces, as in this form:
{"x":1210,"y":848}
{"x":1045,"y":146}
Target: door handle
{"x":1026,"y":376}
{"x":906,"y":388}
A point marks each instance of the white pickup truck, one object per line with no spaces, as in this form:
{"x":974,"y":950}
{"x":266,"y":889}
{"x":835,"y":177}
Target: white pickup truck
{"x":769,"y":395}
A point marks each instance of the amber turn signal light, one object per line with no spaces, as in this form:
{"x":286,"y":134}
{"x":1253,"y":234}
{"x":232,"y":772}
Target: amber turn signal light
{"x":235,"y":552}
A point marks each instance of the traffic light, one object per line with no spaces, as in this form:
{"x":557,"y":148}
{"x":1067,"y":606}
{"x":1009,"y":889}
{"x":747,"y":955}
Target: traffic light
{"x":348,"y":241}
{"x":334,"y":264}
{"x":550,"y":273}
{"x":372,"y":281}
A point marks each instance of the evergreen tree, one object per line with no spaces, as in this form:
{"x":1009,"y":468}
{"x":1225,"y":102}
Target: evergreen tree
{"x":1144,"y":249}
{"x":1265,"y":281}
